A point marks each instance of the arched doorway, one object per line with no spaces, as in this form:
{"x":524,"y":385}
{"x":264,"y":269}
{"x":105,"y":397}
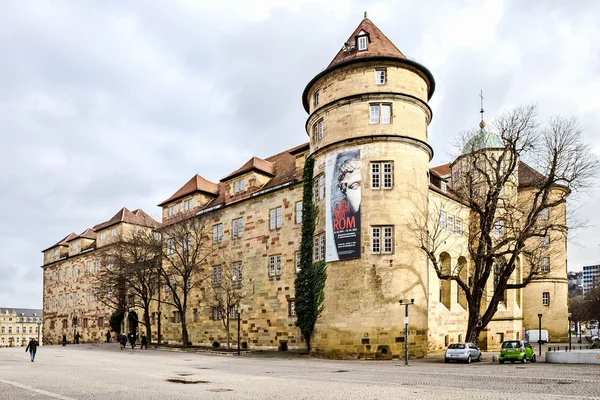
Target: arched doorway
{"x":132,"y":323}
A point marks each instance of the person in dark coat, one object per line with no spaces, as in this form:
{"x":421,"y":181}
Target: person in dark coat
{"x":32,"y":348}
{"x":107,"y":336}
{"x":132,"y":340}
{"x":122,"y":341}
{"x":77,"y":336}
{"x":144,"y":342}
{"x":64,"y":341}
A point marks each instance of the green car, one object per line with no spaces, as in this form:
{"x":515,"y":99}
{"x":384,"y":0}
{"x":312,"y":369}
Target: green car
{"x":516,"y":350}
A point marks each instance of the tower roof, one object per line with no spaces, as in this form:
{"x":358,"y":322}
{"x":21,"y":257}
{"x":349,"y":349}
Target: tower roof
{"x":253,"y":164}
{"x":483,"y":140}
{"x":378,"y":44}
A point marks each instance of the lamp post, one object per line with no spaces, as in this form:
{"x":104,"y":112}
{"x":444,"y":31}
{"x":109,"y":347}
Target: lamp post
{"x":22,"y":320}
{"x":540,"y":334}
{"x":412,"y":302}
{"x":239,"y":313}
{"x":38,"y":330}
{"x":569,"y":331}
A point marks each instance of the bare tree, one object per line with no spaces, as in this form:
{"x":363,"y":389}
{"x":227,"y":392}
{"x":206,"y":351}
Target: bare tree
{"x":135,"y":259}
{"x":185,"y":248}
{"x":226,"y":291}
{"x":508,"y":220}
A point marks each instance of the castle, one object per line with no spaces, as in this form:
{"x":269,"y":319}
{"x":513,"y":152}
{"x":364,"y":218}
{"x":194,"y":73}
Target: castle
{"x":368,"y":118}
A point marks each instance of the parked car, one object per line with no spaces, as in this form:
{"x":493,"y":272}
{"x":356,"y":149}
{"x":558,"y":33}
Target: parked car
{"x":533,"y":336}
{"x":516,"y":350}
{"x":462,"y":351}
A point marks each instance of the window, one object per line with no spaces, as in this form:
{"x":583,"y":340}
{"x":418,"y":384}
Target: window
{"x":216,"y":314}
{"x":68,"y":299}
{"x":113,"y":232}
{"x":379,"y":246}
{"x":458,"y":226}
{"x":362,"y":43}
{"x":316,"y":98}
{"x":187,"y":205}
{"x":238,"y":186}
{"x":187,"y":242}
{"x":170,"y":246}
{"x":195,"y":315}
{"x":451,"y":223}
{"x":85,"y":323}
{"x":499,"y":229}
{"x":176,"y":317}
{"x":75,"y":246}
{"x":75,"y":299}
{"x":546,"y":298}
{"x":319,"y":247}
{"x":545,"y":241}
{"x":217,"y":233}
{"x":297,"y":261}
{"x":55,"y":252}
{"x":101,"y":322}
{"x":217,"y":275}
{"x":298,"y":212}
{"x":442,"y":221}
{"x":171,"y":211}
{"x":67,"y":272}
{"x":544,"y":214}
{"x":89,"y":296}
{"x":97,"y":262}
{"x":317,"y":131}
{"x":443,"y":186}
{"x":319,"y":188}
{"x":292,"y":307}
{"x":54,"y":276}
{"x":236,"y":273}
{"x":380,"y":75}
{"x":89,"y":267}
{"x":275,"y":265}
{"x":237,"y":228}
{"x":382,"y":175}
{"x":275,"y":218}
{"x":545,"y":264}
{"x":380,"y":113}
{"x":52,"y":325}
{"x":109,"y":262}
{"x":18,"y":330}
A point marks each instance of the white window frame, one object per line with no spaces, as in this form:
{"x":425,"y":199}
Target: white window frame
{"x":380,"y":113}
{"x":275,"y":218}
{"x":297,"y":259}
{"x":187,"y":205}
{"x":316,"y":97}
{"x":187,"y":242}
{"x":380,"y":76}
{"x":442,"y":220}
{"x":382,"y":175}
{"x":171,"y":211}
{"x":451,"y":224}
{"x":544,"y":214}
{"x":545,"y":264}
{"x":499,"y":229}
{"x":458,"y":226}
{"x":236,"y":273}
{"x":170,"y":246}
{"x":237,"y":228}
{"x":102,"y":235}
{"x":113,"y":232}
{"x":382,"y":239}
{"x":545,"y":241}
{"x":362,"y":43}
{"x":298,"y":212}
{"x":319,"y":247}
{"x":546,"y":299}
{"x":318,"y":131}
{"x":217,"y":233}
{"x":275,"y":265}
{"x":217,"y":275}
{"x":292,"y":307}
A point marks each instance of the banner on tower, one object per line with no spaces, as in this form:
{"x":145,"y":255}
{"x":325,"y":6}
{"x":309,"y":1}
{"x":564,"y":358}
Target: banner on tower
{"x":343,"y":184}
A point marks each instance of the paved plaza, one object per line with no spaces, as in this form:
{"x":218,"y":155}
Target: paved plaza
{"x":102,"y":371}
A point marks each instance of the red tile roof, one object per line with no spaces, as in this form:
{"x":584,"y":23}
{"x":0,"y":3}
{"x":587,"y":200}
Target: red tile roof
{"x":379,"y":45}
{"x":88,"y":234}
{"x":196,"y":184}
{"x":63,"y":241}
{"x":529,"y":176}
{"x":253,"y":164}
{"x":124,"y":215}
{"x":442,"y":170}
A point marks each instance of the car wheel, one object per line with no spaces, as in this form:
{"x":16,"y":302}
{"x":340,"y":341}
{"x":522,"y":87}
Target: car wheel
{"x":501,"y":361}
{"x":479,"y":358}
{"x":524,"y":359}
{"x":446,"y":360}
{"x":533,"y":359}
{"x":469,"y":359}
{"x":512,"y":361}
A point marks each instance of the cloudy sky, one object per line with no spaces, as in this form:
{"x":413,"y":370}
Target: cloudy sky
{"x":105,"y":104}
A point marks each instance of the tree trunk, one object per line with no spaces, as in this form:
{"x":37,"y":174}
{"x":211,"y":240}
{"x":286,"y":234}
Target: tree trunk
{"x":474,"y":325}
{"x":228,"y":336}
{"x":148,"y":325}
{"x":184,"y":332}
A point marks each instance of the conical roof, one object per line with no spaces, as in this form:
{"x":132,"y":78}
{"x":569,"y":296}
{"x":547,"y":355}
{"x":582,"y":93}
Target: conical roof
{"x":378,"y":44}
{"x":483,"y":140}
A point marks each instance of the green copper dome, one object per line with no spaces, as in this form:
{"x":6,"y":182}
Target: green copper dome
{"x":483,"y":140}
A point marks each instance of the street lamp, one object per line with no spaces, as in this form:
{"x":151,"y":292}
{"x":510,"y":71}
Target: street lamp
{"x":39,"y":322}
{"x":569,"y":331}
{"x":412,"y":302}
{"x":22,"y":320}
{"x":540,"y":333}
{"x":239,"y":313}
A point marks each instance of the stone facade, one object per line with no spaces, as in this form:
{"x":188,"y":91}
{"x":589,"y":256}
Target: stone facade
{"x":370,"y":99}
{"x":19,"y":325}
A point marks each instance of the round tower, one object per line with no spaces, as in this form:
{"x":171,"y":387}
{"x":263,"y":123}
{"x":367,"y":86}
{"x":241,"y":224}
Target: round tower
{"x":367,"y":124}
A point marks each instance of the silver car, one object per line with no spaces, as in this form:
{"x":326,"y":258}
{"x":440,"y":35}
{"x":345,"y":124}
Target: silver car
{"x":462,"y":351}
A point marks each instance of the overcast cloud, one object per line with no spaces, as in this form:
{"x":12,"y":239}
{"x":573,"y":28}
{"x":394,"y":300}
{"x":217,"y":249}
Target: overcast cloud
{"x":105,"y":104}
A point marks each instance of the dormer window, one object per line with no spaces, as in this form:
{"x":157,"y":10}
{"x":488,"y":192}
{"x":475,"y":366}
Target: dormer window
{"x":171,"y":211}
{"x":362,"y":42}
{"x":113,"y":232}
{"x":102,"y":235}
{"x":238,"y":186}
{"x":187,"y":205}
{"x":443,"y":186}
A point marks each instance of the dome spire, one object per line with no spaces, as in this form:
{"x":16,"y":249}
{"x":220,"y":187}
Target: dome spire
{"x":482,"y":123}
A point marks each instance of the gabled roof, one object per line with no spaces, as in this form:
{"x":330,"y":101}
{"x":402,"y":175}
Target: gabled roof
{"x":529,"y":176}
{"x":196,"y":184}
{"x":442,"y":170}
{"x":124,"y":215}
{"x":253,"y":164}
{"x":87,"y":234}
{"x":63,"y":241}
{"x":379,"y":45}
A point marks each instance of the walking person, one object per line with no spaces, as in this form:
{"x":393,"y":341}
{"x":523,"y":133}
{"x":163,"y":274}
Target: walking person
{"x":107,"y":336}
{"x":77,"y":336}
{"x":144,"y":342}
{"x":122,"y":341}
{"x":32,"y":348}
{"x":64,"y":341}
{"x":132,"y":339}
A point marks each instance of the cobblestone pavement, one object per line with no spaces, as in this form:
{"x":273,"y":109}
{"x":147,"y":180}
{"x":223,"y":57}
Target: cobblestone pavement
{"x":102,"y":371}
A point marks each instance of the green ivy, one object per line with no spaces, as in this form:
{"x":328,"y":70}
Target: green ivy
{"x":309,"y":284}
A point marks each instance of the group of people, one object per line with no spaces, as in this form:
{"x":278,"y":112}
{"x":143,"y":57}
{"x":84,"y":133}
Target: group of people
{"x":122,"y":338}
